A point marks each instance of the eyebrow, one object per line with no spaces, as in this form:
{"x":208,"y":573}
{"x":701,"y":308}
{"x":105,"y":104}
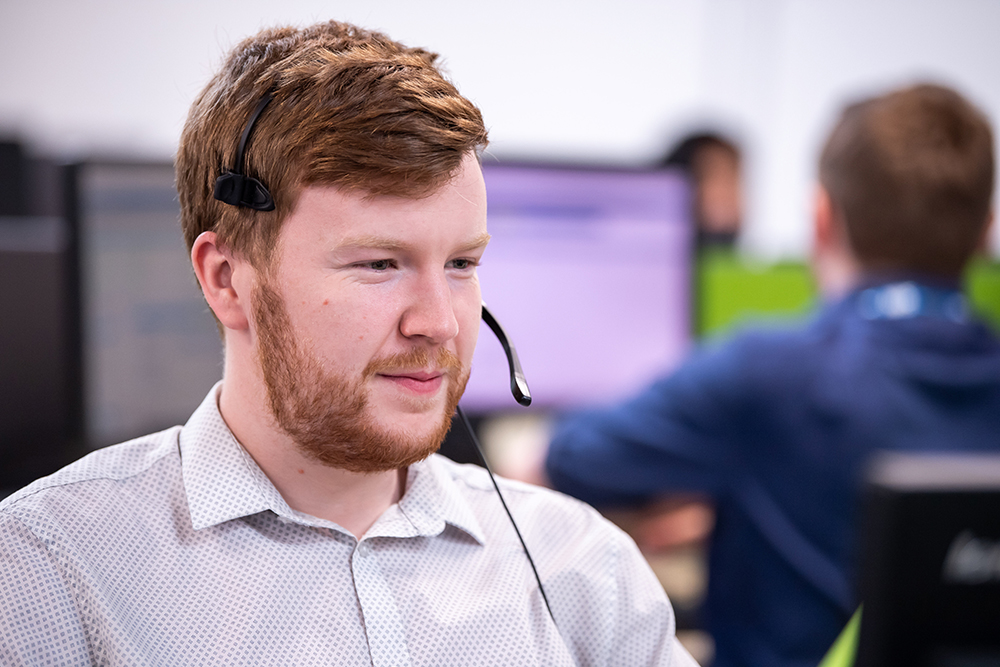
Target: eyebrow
{"x":385,"y":243}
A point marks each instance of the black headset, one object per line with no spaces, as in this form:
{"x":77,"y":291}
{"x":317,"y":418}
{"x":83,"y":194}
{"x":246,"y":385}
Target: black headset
{"x":237,"y":189}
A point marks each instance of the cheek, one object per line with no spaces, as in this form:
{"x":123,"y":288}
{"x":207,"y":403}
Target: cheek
{"x":469,"y":335}
{"x":469,"y":315}
{"x":337,"y":331}
{"x":356,"y":326}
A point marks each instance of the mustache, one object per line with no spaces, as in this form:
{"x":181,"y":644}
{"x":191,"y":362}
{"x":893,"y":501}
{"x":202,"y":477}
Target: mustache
{"x":444,"y":360}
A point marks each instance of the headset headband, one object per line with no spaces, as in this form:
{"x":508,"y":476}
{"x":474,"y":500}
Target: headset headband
{"x":236,"y":188}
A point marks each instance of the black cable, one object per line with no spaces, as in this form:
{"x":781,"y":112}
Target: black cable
{"x":482,"y":457}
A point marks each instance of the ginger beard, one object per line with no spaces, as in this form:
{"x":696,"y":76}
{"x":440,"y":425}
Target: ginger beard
{"x":327,"y":416}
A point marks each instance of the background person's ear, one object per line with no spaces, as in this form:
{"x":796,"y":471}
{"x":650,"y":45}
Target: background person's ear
{"x":824,"y":227}
{"x":834,"y":266}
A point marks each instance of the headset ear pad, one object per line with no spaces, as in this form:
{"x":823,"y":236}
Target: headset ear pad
{"x":241,"y":190}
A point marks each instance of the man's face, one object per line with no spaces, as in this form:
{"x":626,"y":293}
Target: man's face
{"x":367,"y":323}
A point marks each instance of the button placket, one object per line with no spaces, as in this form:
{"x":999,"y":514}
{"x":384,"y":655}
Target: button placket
{"x":383,"y":624}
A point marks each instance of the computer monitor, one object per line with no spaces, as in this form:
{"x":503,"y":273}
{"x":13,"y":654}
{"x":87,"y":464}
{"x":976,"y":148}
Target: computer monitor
{"x":36,"y":349}
{"x":150,"y":347}
{"x":982,"y":284}
{"x":589,"y":271}
{"x":929,"y":574}
{"x":733,"y":291}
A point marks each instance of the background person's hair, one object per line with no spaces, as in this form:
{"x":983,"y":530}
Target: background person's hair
{"x":683,"y":154}
{"x":351,"y":108}
{"x":911,"y":175}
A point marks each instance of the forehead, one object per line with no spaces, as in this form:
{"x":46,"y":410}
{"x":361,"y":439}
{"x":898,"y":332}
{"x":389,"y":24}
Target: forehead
{"x":330,"y":215}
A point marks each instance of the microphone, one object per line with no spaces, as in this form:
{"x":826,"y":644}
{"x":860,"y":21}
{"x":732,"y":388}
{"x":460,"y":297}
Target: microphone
{"x":518,"y":383}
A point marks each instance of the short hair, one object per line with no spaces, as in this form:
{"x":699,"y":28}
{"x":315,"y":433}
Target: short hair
{"x":350,"y":108}
{"x":684,"y":153}
{"x":910,"y":174}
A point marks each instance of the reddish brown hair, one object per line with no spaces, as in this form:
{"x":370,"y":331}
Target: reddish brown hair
{"x":351,"y":108}
{"x":911,"y":175}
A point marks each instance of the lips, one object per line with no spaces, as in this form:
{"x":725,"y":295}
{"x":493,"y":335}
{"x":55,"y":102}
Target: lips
{"x":421,"y":376}
{"x":418,"y":372}
{"x":418,"y":382}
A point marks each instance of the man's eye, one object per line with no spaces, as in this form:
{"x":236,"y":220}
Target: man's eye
{"x":463,"y":264}
{"x":379,"y":264}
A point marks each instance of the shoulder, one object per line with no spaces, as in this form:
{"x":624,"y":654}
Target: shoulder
{"x":766,"y":355}
{"x":803,"y":334}
{"x":106,"y":479}
{"x":474,"y":482}
{"x":559,"y":528}
{"x":606,"y":599}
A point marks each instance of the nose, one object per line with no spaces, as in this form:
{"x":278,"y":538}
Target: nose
{"x":431,"y":311}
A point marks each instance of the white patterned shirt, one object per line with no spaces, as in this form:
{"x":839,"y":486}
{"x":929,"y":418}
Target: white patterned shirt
{"x":176,"y":549}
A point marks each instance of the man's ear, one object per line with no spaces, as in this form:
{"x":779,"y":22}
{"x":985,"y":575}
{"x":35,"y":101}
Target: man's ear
{"x":834,"y":266}
{"x":824,"y":232}
{"x":215,"y":268}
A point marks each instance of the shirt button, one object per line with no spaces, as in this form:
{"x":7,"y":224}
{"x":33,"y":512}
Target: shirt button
{"x":363,"y":549}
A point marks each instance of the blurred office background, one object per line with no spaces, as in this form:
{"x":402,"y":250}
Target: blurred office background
{"x":103,"y":335}
{"x":590,"y":80}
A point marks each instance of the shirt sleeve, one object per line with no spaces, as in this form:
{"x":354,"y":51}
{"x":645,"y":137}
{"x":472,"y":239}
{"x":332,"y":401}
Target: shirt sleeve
{"x":608,"y":606}
{"x":675,"y":436}
{"x":39,"y":620}
{"x":640,"y":637}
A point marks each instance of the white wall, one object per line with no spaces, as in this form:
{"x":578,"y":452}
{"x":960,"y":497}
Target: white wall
{"x":825,"y":53}
{"x":590,"y":80}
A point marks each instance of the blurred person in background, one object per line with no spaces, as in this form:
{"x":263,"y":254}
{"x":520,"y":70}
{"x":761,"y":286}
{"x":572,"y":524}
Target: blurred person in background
{"x":714,"y":165}
{"x":774,"y":427}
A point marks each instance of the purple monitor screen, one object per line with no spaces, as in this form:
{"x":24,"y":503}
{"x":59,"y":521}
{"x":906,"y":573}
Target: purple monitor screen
{"x":589,"y":273}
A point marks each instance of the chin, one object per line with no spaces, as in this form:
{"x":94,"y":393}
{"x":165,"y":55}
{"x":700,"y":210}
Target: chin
{"x":408,"y":413}
{"x":412,"y":428}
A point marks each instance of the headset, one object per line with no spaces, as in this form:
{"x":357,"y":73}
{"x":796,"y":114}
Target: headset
{"x":235,"y":188}
{"x":519,"y":388}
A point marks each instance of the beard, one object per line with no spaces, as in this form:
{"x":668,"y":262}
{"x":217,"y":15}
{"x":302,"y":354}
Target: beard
{"x":328,"y":416}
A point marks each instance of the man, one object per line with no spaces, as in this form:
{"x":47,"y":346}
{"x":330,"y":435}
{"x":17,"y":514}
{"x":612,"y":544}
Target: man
{"x":335,"y":212}
{"x":775,"y":426}
{"x":712,"y":161}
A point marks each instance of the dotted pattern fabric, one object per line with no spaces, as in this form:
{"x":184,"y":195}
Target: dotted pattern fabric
{"x":175,"y":549}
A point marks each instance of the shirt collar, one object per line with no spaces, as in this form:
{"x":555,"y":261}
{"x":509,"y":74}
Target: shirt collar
{"x":432,"y":499}
{"x":871,"y":279}
{"x":223,"y":482}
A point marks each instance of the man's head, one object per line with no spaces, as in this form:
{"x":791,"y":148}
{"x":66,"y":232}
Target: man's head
{"x":355,"y":300}
{"x":909,"y":175}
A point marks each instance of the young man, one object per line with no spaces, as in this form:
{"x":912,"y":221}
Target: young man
{"x":775,"y":426}
{"x":335,"y":213}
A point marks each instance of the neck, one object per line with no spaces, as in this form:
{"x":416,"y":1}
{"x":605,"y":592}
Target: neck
{"x":352,"y":500}
{"x":835,"y":270}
